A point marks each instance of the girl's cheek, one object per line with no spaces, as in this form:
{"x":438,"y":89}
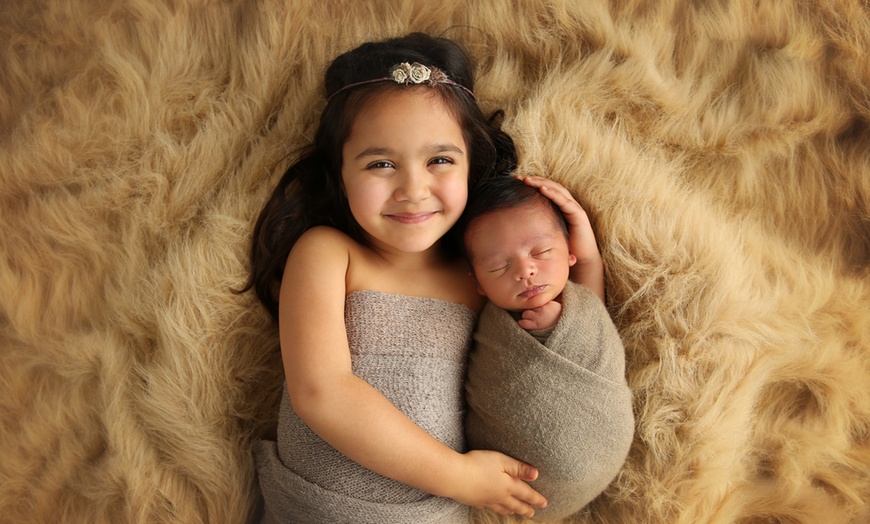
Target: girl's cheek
{"x":462,"y":193}
{"x":458,"y":188}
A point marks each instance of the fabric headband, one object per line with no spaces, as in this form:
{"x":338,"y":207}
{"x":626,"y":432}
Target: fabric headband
{"x":409,"y":74}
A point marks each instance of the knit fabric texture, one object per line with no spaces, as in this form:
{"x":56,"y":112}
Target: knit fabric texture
{"x":413,"y":350}
{"x":562,"y":406}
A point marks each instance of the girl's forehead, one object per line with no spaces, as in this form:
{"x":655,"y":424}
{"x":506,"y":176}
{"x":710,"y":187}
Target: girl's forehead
{"x":405,"y":114}
{"x":398,"y":101}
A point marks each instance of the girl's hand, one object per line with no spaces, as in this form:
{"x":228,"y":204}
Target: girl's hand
{"x":589,"y":269}
{"x":497,"y":482}
{"x":542,"y":317}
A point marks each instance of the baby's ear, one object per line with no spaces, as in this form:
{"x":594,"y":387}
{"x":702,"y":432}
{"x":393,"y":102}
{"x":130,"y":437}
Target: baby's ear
{"x":571,"y":260}
{"x":479,"y":289}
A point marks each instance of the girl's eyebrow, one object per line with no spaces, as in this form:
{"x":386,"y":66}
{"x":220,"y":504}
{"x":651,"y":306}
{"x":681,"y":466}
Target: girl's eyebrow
{"x":374,"y":151}
{"x":386,"y":151}
{"x":446,"y":148}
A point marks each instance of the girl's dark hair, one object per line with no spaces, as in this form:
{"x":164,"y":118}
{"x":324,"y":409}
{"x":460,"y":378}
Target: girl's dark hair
{"x":499,"y":193}
{"x":310,"y":193}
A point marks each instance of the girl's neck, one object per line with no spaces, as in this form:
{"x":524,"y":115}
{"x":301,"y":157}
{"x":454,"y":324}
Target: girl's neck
{"x":432,"y":258}
{"x":430,"y":273}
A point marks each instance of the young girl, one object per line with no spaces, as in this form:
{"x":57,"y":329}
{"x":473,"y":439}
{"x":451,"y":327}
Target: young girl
{"x":356,"y":258}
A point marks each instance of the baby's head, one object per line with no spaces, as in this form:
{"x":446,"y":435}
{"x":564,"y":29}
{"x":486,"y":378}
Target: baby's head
{"x":516,"y":241}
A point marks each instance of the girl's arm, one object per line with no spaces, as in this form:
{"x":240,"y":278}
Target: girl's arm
{"x":355,"y":418}
{"x":589,"y":269}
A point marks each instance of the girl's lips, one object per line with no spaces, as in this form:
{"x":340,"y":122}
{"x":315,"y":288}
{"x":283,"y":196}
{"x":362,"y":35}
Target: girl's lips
{"x":532,"y":291}
{"x":411,"y":218}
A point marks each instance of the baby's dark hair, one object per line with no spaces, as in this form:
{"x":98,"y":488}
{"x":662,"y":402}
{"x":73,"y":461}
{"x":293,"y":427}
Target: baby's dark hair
{"x":500,"y":193}
{"x":310,"y":193}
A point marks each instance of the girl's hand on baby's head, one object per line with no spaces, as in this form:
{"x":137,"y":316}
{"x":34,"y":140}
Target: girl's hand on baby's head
{"x":574,"y":213}
{"x":582,"y":239}
{"x":589,"y":269}
{"x":497,"y":482}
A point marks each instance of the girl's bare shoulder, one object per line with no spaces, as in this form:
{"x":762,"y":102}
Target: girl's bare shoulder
{"x":324,"y":234}
{"x":327,"y":246}
{"x":325,"y":241}
{"x":363,"y":269}
{"x":321,"y":252}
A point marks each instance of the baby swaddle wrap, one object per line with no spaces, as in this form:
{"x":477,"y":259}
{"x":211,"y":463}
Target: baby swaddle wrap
{"x":413,"y":350}
{"x":562,"y":406}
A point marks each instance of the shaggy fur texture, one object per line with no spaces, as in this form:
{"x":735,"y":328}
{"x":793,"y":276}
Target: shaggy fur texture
{"x":721,"y":149}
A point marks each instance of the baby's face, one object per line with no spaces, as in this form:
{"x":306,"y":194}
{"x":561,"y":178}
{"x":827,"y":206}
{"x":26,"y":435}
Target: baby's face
{"x":519,"y":256}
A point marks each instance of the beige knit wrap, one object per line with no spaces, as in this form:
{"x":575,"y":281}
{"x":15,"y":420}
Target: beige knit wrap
{"x":411,"y":349}
{"x":563,"y":406}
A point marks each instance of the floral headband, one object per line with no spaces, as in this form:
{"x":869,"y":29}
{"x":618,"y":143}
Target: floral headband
{"x":409,"y":74}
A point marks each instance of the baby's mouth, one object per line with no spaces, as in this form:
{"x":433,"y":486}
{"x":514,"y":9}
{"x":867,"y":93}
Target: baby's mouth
{"x":532,"y":291}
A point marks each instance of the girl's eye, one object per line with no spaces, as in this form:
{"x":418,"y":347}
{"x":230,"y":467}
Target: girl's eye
{"x":382,"y":164}
{"x":441,"y":160}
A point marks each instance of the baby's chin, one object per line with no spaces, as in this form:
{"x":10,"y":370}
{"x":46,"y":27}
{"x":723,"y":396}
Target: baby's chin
{"x":531,"y":303}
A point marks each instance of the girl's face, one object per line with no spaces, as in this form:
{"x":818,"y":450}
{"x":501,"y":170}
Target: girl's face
{"x":520,"y":256}
{"x":405,"y":170}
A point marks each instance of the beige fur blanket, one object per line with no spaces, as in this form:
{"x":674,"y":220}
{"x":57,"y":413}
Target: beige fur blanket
{"x":721,"y":149}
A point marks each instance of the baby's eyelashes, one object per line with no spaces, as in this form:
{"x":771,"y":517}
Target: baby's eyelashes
{"x":500,"y":268}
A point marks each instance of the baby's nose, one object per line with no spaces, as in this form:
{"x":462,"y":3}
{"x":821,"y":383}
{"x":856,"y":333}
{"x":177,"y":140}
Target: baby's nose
{"x":526,"y":271}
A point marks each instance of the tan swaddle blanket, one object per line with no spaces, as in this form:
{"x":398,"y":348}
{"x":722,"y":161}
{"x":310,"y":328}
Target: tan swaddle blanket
{"x":563,"y":406}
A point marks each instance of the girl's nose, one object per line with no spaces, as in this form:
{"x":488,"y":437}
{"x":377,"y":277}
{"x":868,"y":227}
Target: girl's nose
{"x":413,"y":186}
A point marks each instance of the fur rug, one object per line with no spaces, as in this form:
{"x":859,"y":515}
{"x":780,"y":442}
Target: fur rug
{"x":721,"y":149}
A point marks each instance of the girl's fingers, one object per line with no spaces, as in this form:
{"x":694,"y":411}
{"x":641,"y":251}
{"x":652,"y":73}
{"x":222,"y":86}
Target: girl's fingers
{"x":520,"y":470}
{"x":532,"y":498}
{"x":524,"y":508}
{"x":557,"y":193}
{"x":548,"y":185}
{"x":524,"y":496}
{"x":515,"y":507}
{"x":528,"y":472}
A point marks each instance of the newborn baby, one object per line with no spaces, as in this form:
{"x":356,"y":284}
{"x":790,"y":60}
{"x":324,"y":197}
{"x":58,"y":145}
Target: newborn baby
{"x":546,"y":375}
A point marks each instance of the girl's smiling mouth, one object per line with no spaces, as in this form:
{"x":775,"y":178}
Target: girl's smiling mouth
{"x":411,"y":218}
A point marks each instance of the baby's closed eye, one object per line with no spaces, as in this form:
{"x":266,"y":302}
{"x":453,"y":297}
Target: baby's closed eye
{"x":500,"y":268}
